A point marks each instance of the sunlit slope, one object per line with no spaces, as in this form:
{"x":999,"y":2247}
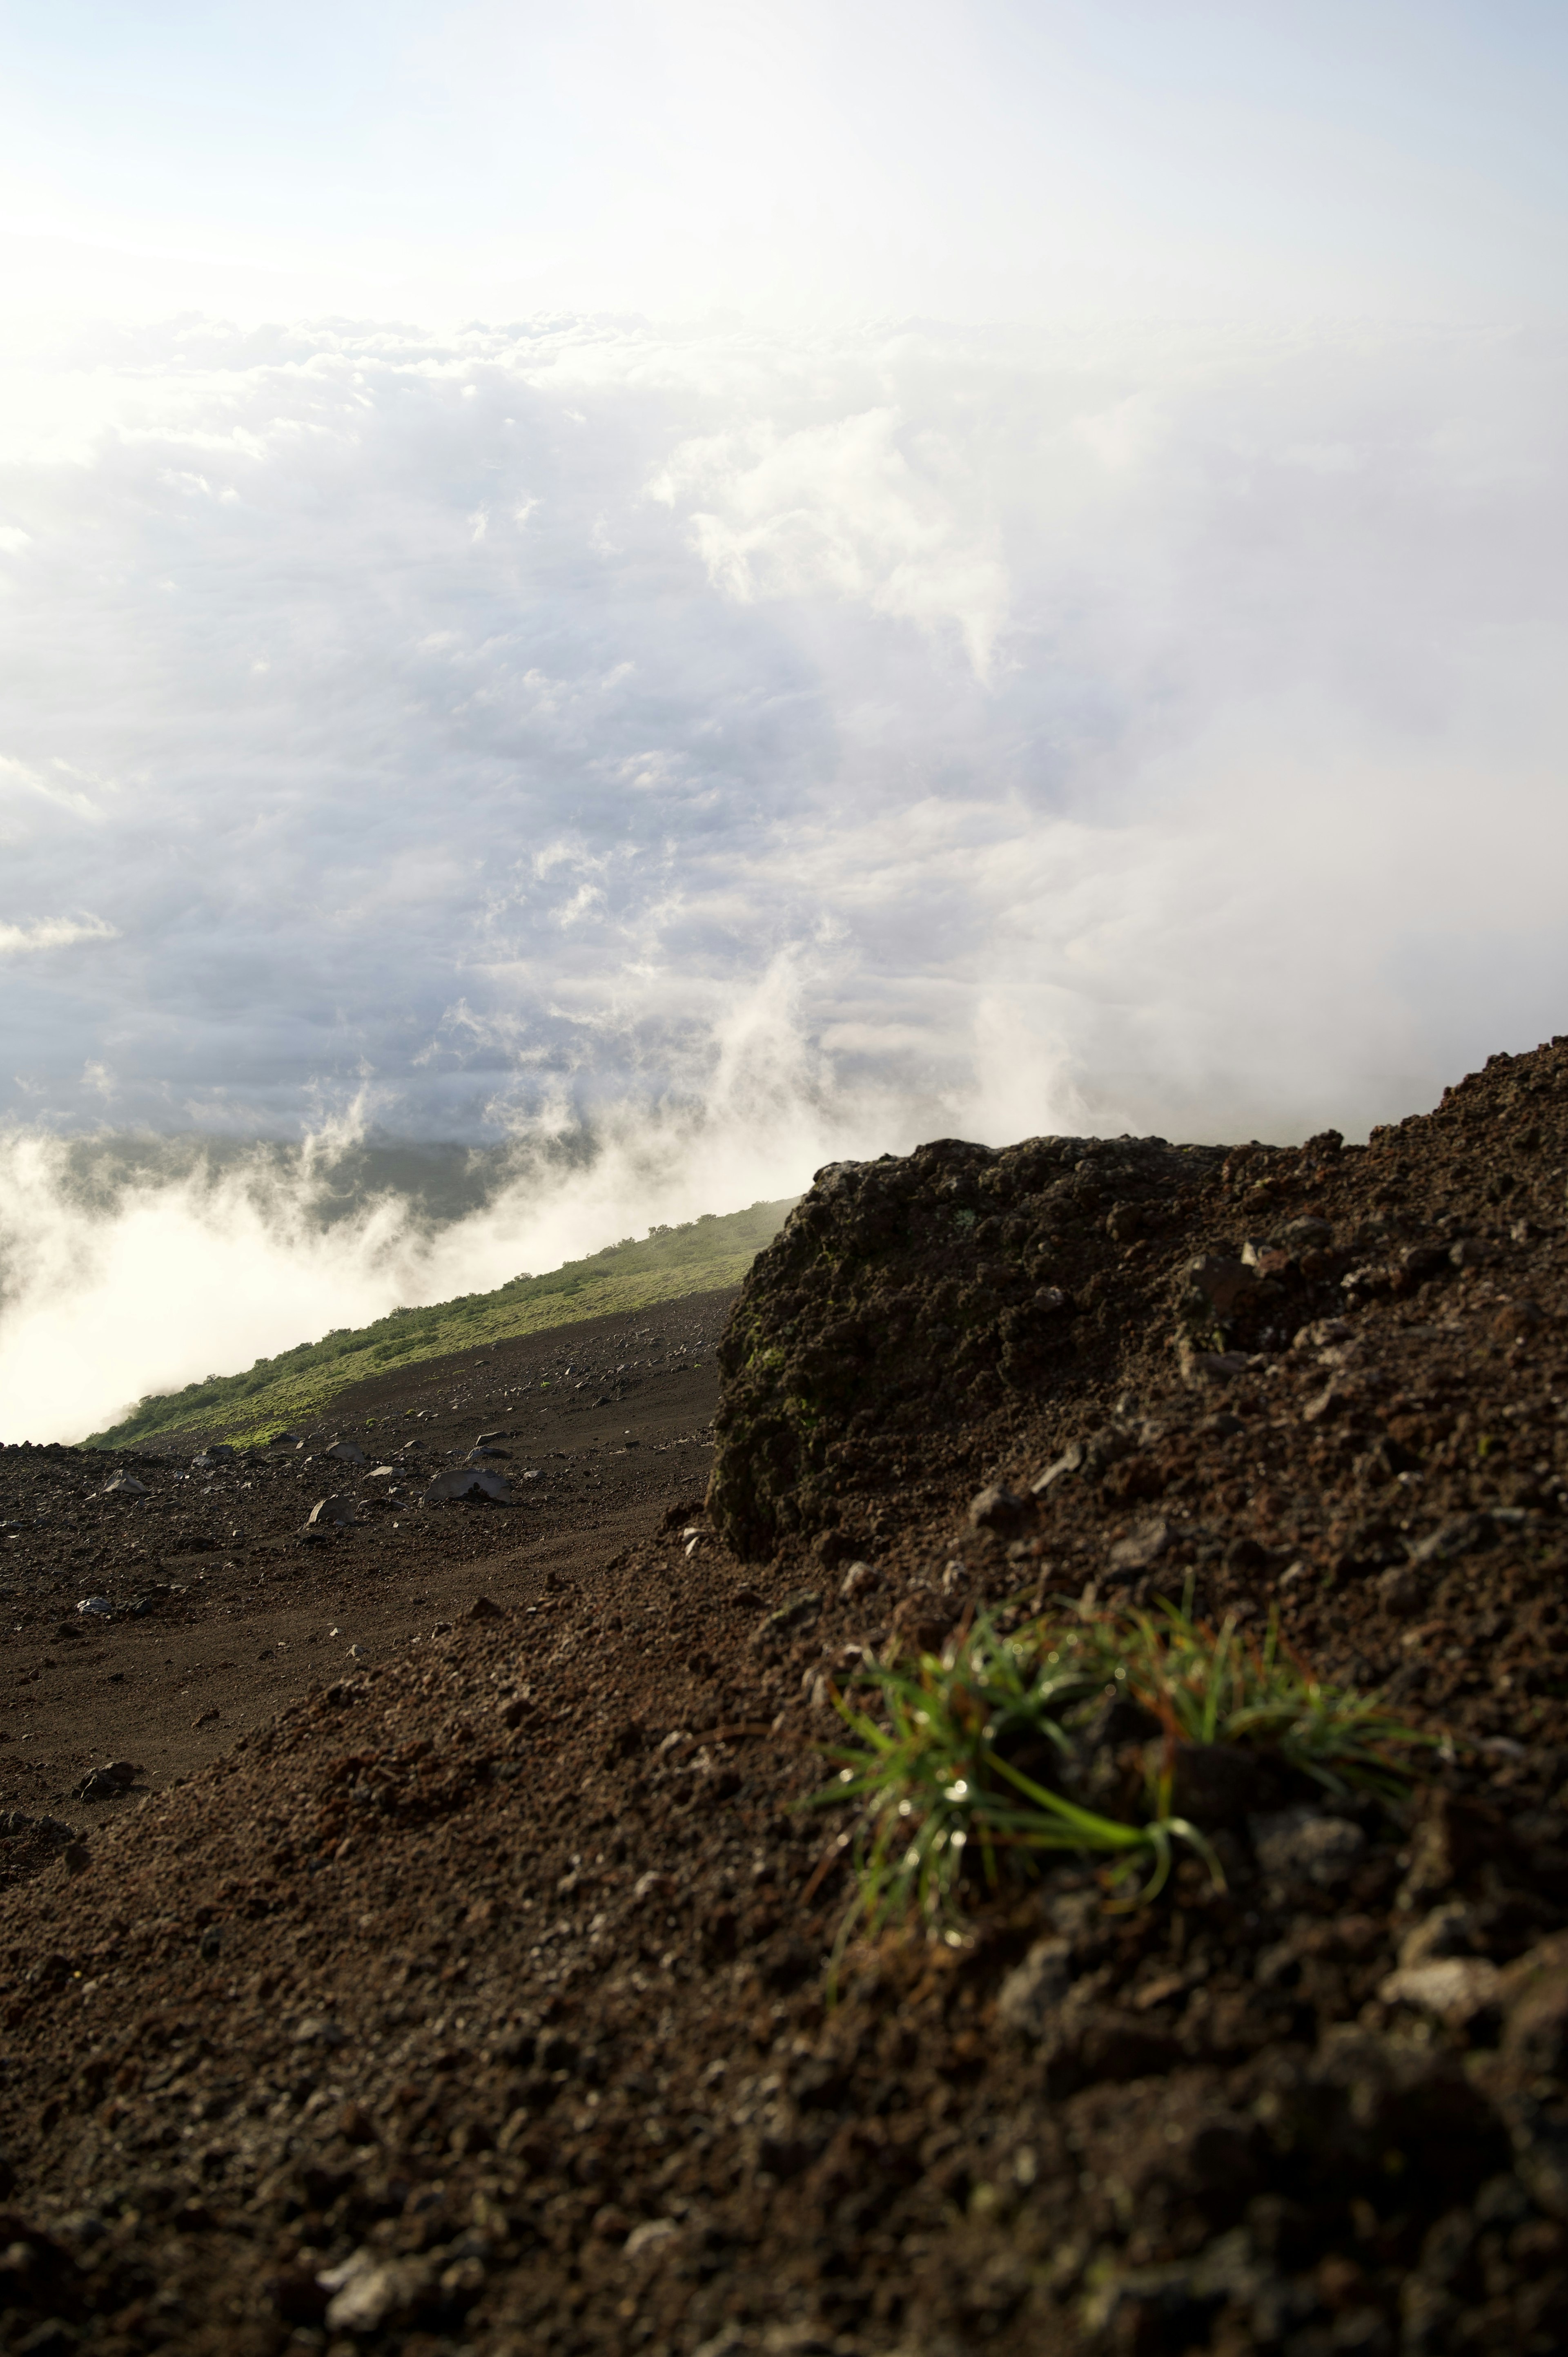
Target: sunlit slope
{"x":698,"y":1258}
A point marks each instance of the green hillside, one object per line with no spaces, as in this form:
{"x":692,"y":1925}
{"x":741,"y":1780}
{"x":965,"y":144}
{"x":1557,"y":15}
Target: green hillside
{"x":697,"y":1258}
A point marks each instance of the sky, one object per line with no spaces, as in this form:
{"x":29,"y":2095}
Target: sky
{"x":761,"y":582}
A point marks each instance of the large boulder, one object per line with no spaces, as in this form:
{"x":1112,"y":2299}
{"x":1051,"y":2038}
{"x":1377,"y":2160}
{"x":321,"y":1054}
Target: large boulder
{"x":908,"y":1295}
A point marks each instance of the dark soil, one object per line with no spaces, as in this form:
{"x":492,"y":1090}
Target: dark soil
{"x":473,"y":1998}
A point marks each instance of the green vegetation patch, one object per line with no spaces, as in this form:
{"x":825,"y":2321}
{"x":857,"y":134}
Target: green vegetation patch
{"x":981,"y":1760}
{"x":702,"y":1257}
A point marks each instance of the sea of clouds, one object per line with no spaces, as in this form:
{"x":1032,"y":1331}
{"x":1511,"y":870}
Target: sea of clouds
{"x":727,"y":751}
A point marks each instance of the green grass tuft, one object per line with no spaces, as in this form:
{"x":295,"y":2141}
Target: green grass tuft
{"x":938,"y":1771}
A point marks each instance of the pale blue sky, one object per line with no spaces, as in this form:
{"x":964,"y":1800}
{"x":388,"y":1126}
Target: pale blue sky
{"x":1166,"y":158}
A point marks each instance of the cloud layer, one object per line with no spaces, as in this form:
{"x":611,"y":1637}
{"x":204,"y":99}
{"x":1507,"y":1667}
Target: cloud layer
{"x":468,"y":720}
{"x":761,"y":747}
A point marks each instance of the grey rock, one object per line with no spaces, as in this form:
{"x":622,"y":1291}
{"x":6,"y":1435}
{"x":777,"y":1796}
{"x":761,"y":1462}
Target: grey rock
{"x":318,"y":2030}
{"x":472,"y":1484}
{"x":125,"y":1485}
{"x":859,"y":1579}
{"x":340,"y":1510}
{"x":1143,"y":1545}
{"x":1452,"y":1988}
{"x":1464,"y":1535}
{"x":996,"y":1508}
{"x":347,"y":1452}
{"x":108,"y":1782}
{"x":369,"y":2290}
{"x":1296,"y":1845}
{"x":99,"y":1607}
{"x":1033,"y":1990}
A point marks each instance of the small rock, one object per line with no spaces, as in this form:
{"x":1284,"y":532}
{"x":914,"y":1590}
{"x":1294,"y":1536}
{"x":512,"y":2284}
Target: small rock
{"x":125,"y":1485}
{"x":208,"y":1718}
{"x":650,"y":2236}
{"x":996,"y":1509}
{"x":484,"y":1607}
{"x":369,"y":2290}
{"x":75,"y":1857}
{"x":1452,"y":1988}
{"x":340,"y":1510}
{"x":858,"y":1580}
{"x":1299,"y":1846}
{"x":1447,"y":1930}
{"x":347,"y":1452}
{"x":1322,"y":1334}
{"x":318,"y":2030}
{"x":285,"y":1440}
{"x":472,"y":1486}
{"x":99,"y":1606}
{"x":106,"y":1783}
{"x":1463,"y":1535}
{"x":1143,"y":1545}
{"x":1032,"y":1990}
{"x":1399,"y":1591}
{"x":1307,"y":1235}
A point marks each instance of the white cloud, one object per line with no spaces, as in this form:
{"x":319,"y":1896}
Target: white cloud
{"x":52,"y":934}
{"x":1144,"y":730}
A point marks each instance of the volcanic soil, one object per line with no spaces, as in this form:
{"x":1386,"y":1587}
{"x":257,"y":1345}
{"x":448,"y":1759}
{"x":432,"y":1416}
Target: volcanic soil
{"x":474,"y":1998}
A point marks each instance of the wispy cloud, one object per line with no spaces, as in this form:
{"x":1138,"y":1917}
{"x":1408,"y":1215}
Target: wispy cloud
{"x":53,"y":933}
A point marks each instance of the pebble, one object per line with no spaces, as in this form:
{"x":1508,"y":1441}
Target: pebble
{"x":995,"y":1508}
{"x":1453,"y":1989}
{"x":858,"y":1580}
{"x":99,"y":1606}
{"x":1299,"y":1846}
{"x":339,"y":1510}
{"x":475,"y":1484}
{"x":1032,"y":1990}
{"x":125,"y":1485}
{"x":650,"y":2236}
{"x":1143,"y":1545}
{"x":366,"y":2289}
{"x":348,"y":1452}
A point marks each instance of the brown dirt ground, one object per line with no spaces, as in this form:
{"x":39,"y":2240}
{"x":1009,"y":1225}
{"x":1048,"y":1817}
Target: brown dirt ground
{"x":473,"y":1999}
